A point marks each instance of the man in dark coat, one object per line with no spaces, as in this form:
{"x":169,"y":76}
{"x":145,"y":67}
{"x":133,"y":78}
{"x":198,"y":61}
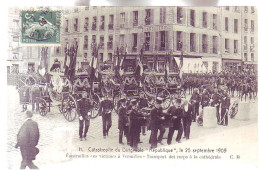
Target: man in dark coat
{"x":205,"y":98}
{"x":122,"y":120}
{"x":134,"y":127}
{"x":84,"y":108}
{"x":195,"y":101}
{"x":155,"y":123}
{"x":106,"y":107}
{"x":177,"y":114}
{"x":187,"y":118}
{"x":27,"y":140}
{"x":35,"y":92}
{"x":225,"y":103}
{"x":215,"y":102}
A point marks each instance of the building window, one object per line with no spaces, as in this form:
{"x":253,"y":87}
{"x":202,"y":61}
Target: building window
{"x":192,"y":17}
{"x":85,"y":46}
{"x":162,"y":15}
{"x":147,"y":41}
{"x":252,"y":9}
{"x":245,"y":42}
{"x":101,"y":42}
{"x":215,"y":45}
{"x":227,"y":45}
{"x":93,"y":39}
{"x":235,"y":25}
{"x":111,"y":22}
{"x":215,"y":67}
{"x":134,"y":48}
{"x":122,"y":20}
{"x":192,"y":42}
{"x":76,"y":24}
{"x":122,"y":40}
{"x":252,"y":44}
{"x":205,"y":19}
{"x":135,"y":19}
{"x":227,"y":8}
{"x":101,"y":57}
{"x":252,"y":26}
{"x":148,"y":16}
{"x":57,"y":50}
{"x":246,"y":9}
{"x":179,"y":15}
{"x":110,"y":56}
{"x":102,"y":24}
{"x":85,"y":56}
{"x":66,"y":25}
{"x":86,"y":24}
{"x":235,"y":46}
{"x":215,"y":22}
{"x":179,"y":41}
{"x":226,"y":23}
{"x":204,"y":43}
{"x":94,"y":23}
{"x":162,"y":40}
{"x":110,"y":42}
{"x":252,"y":57}
{"x":236,"y":9}
{"x":246,"y":25}
{"x":245,"y":56}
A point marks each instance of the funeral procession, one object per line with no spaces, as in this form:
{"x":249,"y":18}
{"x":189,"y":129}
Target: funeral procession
{"x":126,"y":77}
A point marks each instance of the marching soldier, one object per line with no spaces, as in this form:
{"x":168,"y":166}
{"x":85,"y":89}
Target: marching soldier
{"x":195,"y":100}
{"x":134,"y":127}
{"x":84,"y":120}
{"x":122,"y":120}
{"x":106,"y":107}
{"x":177,"y":114}
{"x":155,"y":124}
{"x":225,"y":103}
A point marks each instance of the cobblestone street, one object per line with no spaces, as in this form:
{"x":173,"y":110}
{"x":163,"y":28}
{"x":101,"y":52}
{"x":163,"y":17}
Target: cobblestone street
{"x":54,"y":120}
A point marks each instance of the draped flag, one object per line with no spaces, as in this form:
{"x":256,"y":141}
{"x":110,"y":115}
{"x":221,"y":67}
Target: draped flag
{"x":181,"y":65}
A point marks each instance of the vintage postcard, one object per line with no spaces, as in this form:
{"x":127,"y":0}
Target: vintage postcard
{"x":164,"y":85}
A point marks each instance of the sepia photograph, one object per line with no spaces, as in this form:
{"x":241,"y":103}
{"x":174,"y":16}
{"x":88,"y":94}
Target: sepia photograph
{"x":164,"y":83}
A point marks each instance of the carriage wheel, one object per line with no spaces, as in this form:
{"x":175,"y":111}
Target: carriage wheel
{"x":165,"y":94}
{"x":69,"y":107}
{"x":94,"y":112}
{"x":43,"y":107}
{"x":234,"y":110}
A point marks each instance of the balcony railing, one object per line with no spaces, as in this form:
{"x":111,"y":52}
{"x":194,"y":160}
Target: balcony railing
{"x":110,"y":26}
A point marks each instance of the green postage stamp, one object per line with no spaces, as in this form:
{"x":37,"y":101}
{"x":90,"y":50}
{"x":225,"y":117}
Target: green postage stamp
{"x":40,"y":27}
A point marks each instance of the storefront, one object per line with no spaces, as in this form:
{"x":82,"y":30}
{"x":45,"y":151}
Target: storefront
{"x":232,"y":64}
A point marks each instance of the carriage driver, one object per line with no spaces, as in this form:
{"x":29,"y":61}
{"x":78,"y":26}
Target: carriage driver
{"x":84,"y":109}
{"x":105,"y":110}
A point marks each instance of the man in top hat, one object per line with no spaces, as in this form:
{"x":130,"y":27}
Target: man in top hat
{"x":215,"y":102}
{"x":143,"y":103}
{"x":106,"y":107}
{"x":84,"y":120}
{"x":134,"y":127}
{"x":27,"y":139}
{"x":122,"y":120}
{"x":177,"y":114}
{"x":155,"y":123}
{"x":187,"y":118}
{"x":225,"y":103}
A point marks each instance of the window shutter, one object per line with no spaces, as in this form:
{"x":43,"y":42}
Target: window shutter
{"x":131,"y":19}
{"x":184,"y":42}
{"x":188,"y":16}
{"x":188,"y":42}
{"x":126,"y":20}
{"x":200,"y":42}
{"x":130,"y":43}
{"x":173,"y":40}
{"x":152,"y":16}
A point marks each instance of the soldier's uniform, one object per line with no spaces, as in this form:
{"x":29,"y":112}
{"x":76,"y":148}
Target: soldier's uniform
{"x":216,"y":103}
{"x":187,"y":119}
{"x":84,"y":120}
{"x":122,"y":121}
{"x":155,"y":124}
{"x":195,"y":100}
{"x":106,"y":107}
{"x":177,"y":113}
